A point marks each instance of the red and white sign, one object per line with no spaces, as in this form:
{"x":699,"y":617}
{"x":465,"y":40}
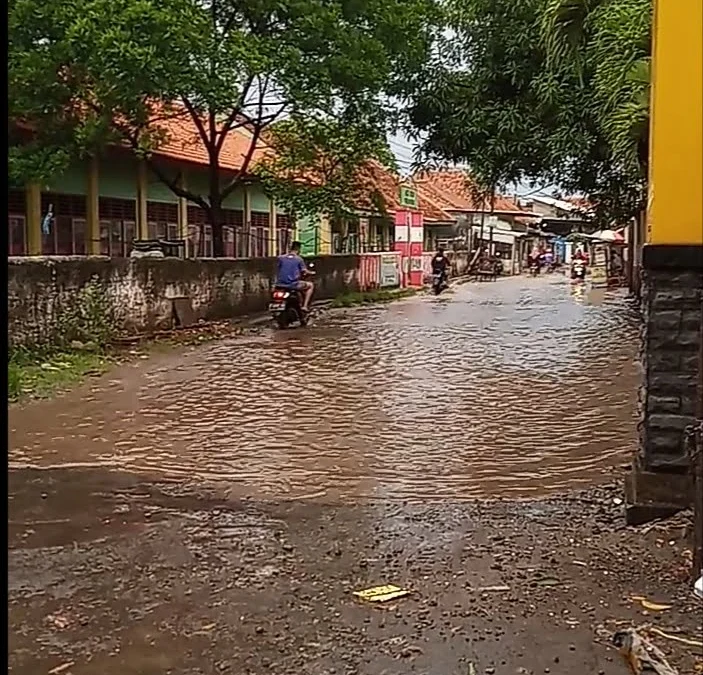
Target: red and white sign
{"x":409,"y":238}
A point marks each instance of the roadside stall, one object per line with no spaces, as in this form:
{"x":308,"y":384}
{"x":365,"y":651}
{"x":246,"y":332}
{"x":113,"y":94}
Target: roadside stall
{"x":613,"y":247}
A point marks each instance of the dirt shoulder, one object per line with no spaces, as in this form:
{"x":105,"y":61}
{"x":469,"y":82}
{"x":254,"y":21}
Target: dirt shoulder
{"x":112,"y":574}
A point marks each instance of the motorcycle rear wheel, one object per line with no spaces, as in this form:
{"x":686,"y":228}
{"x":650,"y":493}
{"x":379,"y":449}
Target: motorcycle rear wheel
{"x":302,"y":318}
{"x":282,"y":320}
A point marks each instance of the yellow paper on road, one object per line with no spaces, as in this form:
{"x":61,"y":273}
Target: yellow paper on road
{"x":382,"y":593}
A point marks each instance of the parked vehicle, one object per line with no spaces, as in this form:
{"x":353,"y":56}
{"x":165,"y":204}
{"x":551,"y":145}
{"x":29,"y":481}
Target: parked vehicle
{"x":286,"y":306}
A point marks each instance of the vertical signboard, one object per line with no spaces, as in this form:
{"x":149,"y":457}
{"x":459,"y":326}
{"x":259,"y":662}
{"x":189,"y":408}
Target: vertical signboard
{"x":401,"y":243}
{"x":409,"y":238}
{"x":417,"y":238}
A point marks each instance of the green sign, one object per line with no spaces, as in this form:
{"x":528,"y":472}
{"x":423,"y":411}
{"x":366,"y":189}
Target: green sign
{"x":408,"y":197}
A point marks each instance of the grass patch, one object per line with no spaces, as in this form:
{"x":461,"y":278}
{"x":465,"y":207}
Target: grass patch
{"x":39,"y":375}
{"x":372,"y":297}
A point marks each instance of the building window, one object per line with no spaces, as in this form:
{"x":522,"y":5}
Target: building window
{"x":284,"y":233}
{"x":162,"y":218}
{"x":117,"y":226}
{"x":259,"y":234}
{"x":17,"y":244}
{"x":229,"y":239}
{"x":79,"y":230}
{"x":284,"y":237}
{"x":59,"y":239}
{"x":116,"y":237}
{"x":206,"y":251}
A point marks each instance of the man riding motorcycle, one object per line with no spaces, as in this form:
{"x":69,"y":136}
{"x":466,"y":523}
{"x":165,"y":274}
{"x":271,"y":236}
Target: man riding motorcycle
{"x":290,"y":272}
{"x":441,"y":264}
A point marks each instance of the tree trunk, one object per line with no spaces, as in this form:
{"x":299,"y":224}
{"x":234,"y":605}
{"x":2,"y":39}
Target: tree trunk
{"x":218,"y":240}
{"x":215,"y":211}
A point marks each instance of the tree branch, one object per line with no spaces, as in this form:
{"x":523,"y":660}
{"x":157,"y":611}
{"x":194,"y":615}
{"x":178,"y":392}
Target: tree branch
{"x":197,"y":120}
{"x":236,"y":112}
{"x":174,"y":186}
{"x":256,"y":134}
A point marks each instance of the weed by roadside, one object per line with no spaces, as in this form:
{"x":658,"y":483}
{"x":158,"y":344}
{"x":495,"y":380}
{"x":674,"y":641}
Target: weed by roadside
{"x":75,"y":348}
{"x":371,"y":297}
{"x":37,"y":375}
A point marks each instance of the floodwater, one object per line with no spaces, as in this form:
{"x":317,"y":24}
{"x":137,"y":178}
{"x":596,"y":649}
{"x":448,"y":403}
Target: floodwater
{"x":513,"y":388}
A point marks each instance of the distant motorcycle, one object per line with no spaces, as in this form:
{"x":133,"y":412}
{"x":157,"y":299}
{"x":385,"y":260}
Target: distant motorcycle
{"x":439,"y":283}
{"x":578,"y":270}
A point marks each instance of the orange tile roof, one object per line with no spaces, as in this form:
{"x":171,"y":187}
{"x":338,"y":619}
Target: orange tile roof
{"x":451,"y":188}
{"x":432,"y":205}
{"x":182,"y":142}
{"x":376,"y":180}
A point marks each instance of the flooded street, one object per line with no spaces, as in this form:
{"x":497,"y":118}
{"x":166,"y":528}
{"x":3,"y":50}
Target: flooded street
{"x":508,"y":388}
{"x":212,"y":509}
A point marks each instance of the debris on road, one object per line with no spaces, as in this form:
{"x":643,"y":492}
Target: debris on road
{"x":382,"y":593}
{"x":685,"y":641}
{"x":643,"y":657}
{"x":63,"y":667}
{"x":648,"y":604}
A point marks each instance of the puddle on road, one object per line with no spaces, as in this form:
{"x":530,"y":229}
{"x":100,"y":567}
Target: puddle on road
{"x":508,"y":388}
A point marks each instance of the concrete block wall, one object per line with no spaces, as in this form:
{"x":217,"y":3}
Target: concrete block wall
{"x":671,"y":340}
{"x":140,"y":292}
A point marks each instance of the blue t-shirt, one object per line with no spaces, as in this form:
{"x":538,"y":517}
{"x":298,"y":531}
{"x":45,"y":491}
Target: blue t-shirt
{"x":290,"y":270}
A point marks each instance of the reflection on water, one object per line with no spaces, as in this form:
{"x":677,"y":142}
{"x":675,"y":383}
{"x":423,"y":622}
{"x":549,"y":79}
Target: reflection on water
{"x":498,"y":387}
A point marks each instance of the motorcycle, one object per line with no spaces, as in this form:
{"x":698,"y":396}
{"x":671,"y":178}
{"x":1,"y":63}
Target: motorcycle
{"x":578,"y":270}
{"x":439,"y":283}
{"x":286,"y":306}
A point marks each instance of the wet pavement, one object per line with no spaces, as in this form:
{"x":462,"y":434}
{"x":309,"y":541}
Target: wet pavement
{"x":184,"y":514}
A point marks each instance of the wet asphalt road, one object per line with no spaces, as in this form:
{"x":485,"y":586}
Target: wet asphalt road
{"x":184,"y":515}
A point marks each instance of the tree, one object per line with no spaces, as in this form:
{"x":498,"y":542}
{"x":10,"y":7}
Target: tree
{"x":546,"y":91}
{"x":85,"y":73}
{"x":320,"y":166}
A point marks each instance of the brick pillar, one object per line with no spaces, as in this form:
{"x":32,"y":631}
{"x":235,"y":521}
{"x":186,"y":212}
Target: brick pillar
{"x":672,"y":296}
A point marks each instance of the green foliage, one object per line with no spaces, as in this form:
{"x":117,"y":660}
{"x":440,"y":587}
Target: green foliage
{"x":80,"y":339}
{"x":88,"y":72}
{"x":35,"y":374}
{"x":318,"y":165}
{"x":87,"y":321}
{"x":546,"y":91}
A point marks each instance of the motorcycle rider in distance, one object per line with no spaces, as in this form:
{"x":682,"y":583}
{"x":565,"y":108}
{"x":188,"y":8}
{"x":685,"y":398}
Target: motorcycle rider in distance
{"x":290,"y":273}
{"x":441,"y":264}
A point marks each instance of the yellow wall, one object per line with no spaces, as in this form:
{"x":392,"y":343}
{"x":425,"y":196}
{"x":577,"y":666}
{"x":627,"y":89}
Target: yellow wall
{"x":675,"y":211}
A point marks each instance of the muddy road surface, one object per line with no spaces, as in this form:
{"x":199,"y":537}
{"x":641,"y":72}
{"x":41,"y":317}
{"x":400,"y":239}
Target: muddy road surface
{"x":513,"y":387}
{"x":186,"y":514}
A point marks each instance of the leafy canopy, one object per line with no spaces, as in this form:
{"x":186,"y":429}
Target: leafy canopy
{"x":545,"y":91}
{"x":84,"y":73}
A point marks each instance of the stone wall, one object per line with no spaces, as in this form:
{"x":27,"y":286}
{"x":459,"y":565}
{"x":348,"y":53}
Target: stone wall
{"x":140,"y":292}
{"x":660,"y":482}
{"x":671,"y":305}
